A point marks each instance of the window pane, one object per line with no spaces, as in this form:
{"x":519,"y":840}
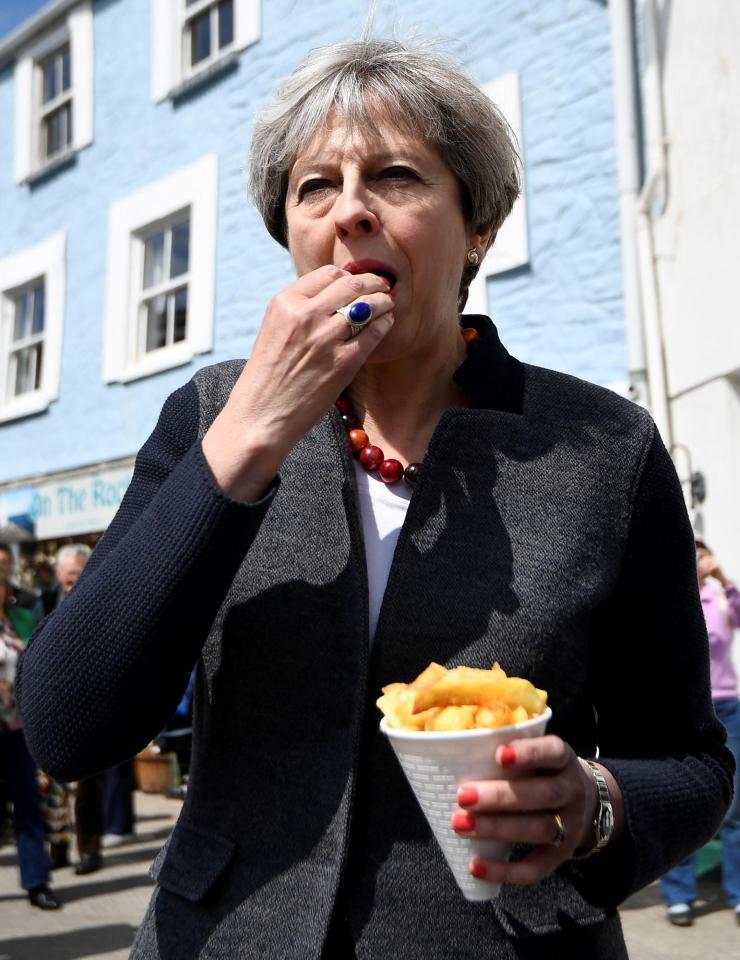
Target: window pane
{"x":38,"y":310}
{"x":66,"y":72}
{"x":27,"y":370}
{"x":225,"y":23}
{"x":154,"y":260}
{"x":39,"y":348}
{"x":51,"y":87}
{"x":55,"y":131}
{"x":200,"y":37}
{"x":22,"y":319}
{"x":180,"y":249}
{"x":156,"y":323}
{"x":181,"y":314}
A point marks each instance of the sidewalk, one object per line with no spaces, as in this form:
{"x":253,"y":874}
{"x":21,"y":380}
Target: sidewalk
{"x":102,"y":911}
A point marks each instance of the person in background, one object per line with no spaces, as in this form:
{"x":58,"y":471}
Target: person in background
{"x":16,"y":764}
{"x":20,"y":597}
{"x":722,"y":614}
{"x":103,"y":805}
{"x":70,"y":563}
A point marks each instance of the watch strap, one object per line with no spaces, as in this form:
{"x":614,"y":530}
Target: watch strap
{"x":603,"y":823}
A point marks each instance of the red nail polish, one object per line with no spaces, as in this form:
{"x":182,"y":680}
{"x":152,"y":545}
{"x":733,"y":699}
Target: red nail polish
{"x":467,"y":796}
{"x":507,"y":757}
{"x":463,"y":820}
{"x":478,"y":869}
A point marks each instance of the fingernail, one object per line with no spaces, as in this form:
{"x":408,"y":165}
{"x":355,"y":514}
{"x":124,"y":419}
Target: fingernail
{"x":385,"y":280}
{"x":507,"y":757}
{"x":478,"y":869}
{"x":463,"y":820}
{"x":467,"y":796}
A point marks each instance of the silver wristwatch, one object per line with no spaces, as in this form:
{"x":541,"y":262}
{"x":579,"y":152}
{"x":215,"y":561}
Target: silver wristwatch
{"x":603,"y":825}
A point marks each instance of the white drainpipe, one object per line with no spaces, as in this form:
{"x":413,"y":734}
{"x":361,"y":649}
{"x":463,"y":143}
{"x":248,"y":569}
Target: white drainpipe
{"x":625,"y":109}
{"x":642,"y":293}
{"x":653,"y":200}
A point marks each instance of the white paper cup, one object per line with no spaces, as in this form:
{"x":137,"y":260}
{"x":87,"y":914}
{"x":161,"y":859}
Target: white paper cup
{"x":435,"y":764}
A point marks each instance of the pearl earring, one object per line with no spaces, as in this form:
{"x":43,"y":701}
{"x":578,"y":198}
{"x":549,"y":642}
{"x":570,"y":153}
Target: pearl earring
{"x":473,"y":257}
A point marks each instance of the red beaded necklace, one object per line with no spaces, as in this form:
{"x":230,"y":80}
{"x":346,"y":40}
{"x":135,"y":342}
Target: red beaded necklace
{"x":372,"y":457}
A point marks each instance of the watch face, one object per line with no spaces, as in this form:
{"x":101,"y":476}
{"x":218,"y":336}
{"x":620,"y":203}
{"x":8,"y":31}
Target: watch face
{"x":606,"y":822}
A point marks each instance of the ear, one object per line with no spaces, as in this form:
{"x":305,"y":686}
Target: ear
{"x":481,"y":238}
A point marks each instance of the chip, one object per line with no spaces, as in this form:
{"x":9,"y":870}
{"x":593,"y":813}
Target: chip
{"x":463,"y":698}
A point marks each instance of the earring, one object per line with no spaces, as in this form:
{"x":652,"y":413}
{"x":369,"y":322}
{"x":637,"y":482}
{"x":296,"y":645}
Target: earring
{"x":472,"y":257}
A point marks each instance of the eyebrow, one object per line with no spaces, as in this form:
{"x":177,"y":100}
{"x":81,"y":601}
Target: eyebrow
{"x":319,"y":161}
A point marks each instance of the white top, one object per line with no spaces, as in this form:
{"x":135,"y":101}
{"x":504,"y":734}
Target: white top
{"x":383,"y":509}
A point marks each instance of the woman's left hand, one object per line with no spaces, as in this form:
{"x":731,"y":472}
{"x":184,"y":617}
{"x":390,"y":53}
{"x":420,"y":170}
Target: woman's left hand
{"x":543,"y":778}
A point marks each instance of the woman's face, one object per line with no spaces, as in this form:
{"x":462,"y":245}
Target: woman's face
{"x":383,"y":202}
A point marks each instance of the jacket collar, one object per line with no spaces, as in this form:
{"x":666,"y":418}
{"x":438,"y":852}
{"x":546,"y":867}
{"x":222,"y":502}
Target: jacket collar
{"x":490,"y":375}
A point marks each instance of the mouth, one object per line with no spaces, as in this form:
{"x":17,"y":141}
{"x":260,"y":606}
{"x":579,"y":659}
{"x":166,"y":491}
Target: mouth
{"x":377,"y":267}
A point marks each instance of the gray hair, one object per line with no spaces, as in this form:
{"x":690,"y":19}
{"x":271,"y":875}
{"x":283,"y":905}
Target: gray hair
{"x":424,"y":92}
{"x":73,"y":550}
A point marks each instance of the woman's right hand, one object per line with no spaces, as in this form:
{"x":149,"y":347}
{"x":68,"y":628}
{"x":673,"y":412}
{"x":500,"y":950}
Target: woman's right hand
{"x":300,"y":363}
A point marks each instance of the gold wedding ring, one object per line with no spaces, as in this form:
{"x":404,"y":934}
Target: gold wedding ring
{"x":561,"y":831}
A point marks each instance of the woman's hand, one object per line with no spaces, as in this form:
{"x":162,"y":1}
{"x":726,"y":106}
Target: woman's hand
{"x":300,"y":363}
{"x":545,"y":778}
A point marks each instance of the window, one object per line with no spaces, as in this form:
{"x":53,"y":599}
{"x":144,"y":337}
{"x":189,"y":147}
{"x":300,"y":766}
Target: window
{"x":208,"y":30}
{"x":31,"y":316}
{"x":161,"y":274}
{"x":191,"y":38}
{"x":54,"y":95}
{"x":55,"y":108}
{"x":511,"y":247}
{"x":163,"y":302}
{"x":25,"y":355}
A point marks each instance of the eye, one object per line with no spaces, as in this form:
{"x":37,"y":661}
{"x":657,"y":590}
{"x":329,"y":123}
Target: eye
{"x":398,"y":173}
{"x":312,"y":186}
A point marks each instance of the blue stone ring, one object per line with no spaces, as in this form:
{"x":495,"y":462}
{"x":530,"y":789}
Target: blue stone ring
{"x":357,"y":316}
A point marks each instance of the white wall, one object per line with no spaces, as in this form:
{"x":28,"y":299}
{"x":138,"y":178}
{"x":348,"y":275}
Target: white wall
{"x":697,"y":238}
{"x":696,"y":241}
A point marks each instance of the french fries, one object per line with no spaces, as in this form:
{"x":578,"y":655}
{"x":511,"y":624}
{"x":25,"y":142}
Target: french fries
{"x":463,"y":698}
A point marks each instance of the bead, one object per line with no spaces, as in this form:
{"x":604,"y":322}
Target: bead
{"x":411,"y":473}
{"x":358,"y":439}
{"x":469,"y":334}
{"x":371,"y":457}
{"x":350,"y":421}
{"x":360,"y":312}
{"x":342,"y":405}
{"x":390,"y":471}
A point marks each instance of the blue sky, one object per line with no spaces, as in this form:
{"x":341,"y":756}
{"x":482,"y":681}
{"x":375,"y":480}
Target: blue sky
{"x":14,"y":12}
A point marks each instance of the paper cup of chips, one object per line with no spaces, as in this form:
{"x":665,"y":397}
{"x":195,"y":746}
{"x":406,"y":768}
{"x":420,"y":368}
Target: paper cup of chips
{"x":438,"y":756}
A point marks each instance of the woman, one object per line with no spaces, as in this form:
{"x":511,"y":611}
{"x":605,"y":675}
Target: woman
{"x":532,"y":535}
{"x":16,"y":764}
{"x":721,"y":609}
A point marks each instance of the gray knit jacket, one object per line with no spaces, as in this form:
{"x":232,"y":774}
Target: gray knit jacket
{"x":547,"y":532}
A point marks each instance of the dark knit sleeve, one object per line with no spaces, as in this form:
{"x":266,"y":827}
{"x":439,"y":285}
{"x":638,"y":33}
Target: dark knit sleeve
{"x":658,"y":733}
{"x":104,"y":673}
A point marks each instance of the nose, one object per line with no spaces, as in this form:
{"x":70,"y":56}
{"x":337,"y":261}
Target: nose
{"x":353,"y":216}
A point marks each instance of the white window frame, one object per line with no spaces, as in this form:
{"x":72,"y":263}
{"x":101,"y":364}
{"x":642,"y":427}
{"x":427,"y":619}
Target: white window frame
{"x":133,"y":217}
{"x":44,"y":261}
{"x":511,"y":247}
{"x":171,"y":72}
{"x":77,"y":30}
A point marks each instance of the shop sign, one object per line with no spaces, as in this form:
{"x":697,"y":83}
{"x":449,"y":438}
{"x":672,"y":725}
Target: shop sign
{"x":85,"y":503}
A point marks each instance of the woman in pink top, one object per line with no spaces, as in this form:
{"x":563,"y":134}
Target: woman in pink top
{"x":722,"y":614}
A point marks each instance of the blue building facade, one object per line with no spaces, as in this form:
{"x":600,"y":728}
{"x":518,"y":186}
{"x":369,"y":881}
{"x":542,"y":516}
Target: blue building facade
{"x":97,"y":198}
